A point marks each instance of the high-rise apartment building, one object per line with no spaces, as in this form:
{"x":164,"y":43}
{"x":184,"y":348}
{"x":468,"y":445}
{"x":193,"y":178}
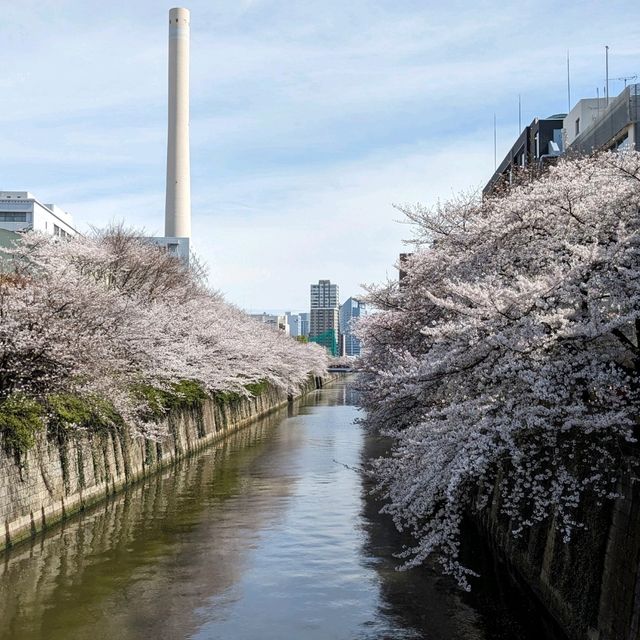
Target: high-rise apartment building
{"x":324,"y":315}
{"x":350,"y":311}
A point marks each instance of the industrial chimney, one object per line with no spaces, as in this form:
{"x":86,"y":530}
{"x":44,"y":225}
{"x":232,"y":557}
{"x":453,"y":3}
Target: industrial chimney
{"x":178,"y":202}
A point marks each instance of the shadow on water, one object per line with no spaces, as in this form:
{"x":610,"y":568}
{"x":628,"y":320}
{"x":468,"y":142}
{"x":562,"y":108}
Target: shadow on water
{"x":497,"y":608}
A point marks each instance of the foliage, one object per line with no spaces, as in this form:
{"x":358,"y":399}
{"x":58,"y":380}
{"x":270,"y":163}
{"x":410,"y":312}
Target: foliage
{"x":184,"y":394}
{"x":20,"y":420}
{"x":69,"y":412}
{"x":506,"y":364}
{"x":257,"y":388}
{"x":110,"y":316}
{"x":253,"y":389}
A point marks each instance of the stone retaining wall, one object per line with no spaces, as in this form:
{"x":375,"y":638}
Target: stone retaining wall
{"x":591,"y":585}
{"x":57,"y":478}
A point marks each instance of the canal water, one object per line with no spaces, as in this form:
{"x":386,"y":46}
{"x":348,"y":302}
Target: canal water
{"x":270,"y":535}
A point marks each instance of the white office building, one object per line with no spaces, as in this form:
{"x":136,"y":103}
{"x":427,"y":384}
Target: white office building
{"x":20,"y":211}
{"x":293,"y":319}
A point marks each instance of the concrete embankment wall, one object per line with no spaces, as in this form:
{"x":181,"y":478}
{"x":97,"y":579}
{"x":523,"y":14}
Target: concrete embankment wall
{"x":590,"y":585}
{"x":57,"y":478}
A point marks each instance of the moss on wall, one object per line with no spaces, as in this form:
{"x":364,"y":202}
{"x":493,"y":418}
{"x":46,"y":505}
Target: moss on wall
{"x":67,"y":469}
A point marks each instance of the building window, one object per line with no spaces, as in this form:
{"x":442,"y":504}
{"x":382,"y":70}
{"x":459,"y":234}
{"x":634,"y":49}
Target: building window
{"x":12,"y":217}
{"x":621,"y":143}
{"x":577,"y":126}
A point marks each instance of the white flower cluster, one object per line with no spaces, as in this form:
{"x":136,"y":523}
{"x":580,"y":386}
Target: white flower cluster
{"x":99,"y":316}
{"x":505,"y":365}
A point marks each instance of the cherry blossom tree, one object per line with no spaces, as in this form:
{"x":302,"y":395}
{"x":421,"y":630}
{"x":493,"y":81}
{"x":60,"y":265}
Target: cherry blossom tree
{"x":505,"y":366}
{"x":103,"y":316}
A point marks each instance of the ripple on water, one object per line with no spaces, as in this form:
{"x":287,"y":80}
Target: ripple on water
{"x":266,"y":536}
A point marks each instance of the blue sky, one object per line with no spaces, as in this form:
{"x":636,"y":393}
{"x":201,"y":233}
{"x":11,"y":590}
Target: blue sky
{"x":308,"y":119}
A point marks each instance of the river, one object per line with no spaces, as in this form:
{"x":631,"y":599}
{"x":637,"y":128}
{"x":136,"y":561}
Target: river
{"x":269,"y":535}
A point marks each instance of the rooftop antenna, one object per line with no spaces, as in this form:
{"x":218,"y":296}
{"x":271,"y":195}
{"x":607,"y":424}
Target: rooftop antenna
{"x":606,"y":63}
{"x":495,"y":144}
{"x":625,"y":78}
{"x":519,"y":115}
{"x":568,"y":84}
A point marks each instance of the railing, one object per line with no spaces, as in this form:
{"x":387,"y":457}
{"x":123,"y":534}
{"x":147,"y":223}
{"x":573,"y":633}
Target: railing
{"x":621,"y":112}
{"x":16,"y":226}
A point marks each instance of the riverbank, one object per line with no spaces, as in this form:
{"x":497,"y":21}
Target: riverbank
{"x":269,"y":533}
{"x":589,"y":585}
{"x":59,"y":477}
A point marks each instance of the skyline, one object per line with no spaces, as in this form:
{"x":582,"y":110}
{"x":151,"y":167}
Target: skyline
{"x":307,"y":123}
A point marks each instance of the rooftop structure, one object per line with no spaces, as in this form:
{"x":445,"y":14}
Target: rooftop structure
{"x":21,"y":211}
{"x":540,"y":141}
{"x":593,"y":125}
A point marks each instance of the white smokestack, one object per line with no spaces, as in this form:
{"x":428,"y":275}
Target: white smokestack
{"x":178,"y":203}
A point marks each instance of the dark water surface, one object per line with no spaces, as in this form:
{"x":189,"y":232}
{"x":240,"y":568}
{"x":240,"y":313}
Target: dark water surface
{"x":270,"y":535}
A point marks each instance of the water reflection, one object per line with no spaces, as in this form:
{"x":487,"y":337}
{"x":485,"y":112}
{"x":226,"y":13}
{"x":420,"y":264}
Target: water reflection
{"x":497,"y":607}
{"x":269,"y":535}
{"x":141,"y":564}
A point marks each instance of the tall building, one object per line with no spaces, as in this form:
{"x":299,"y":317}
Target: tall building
{"x":21,"y":211}
{"x":323,"y":316}
{"x":304,"y":324}
{"x":350,"y":311}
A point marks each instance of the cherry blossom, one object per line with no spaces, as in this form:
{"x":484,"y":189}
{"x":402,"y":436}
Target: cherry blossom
{"x":102,"y":315}
{"x":505,"y":365}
